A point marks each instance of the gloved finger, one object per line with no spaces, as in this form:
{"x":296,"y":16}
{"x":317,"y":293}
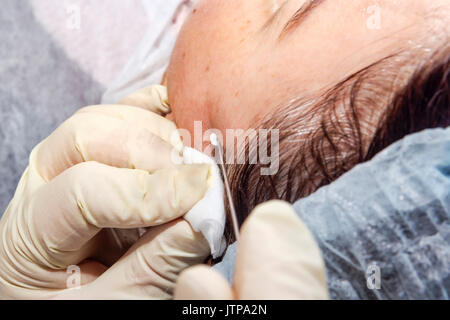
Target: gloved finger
{"x":160,"y":126}
{"x":112,"y":137}
{"x":278,"y":257}
{"x":202,"y":283}
{"x":52,"y":280}
{"x":67,"y":212}
{"x":151,"y":267}
{"x":153,"y":98}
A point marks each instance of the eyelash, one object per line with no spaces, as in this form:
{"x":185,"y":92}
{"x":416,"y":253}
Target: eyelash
{"x":300,"y":15}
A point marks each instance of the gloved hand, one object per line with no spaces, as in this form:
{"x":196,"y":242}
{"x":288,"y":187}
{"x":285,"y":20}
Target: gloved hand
{"x":153,"y":98}
{"x":277,"y":258}
{"x":105,"y":167}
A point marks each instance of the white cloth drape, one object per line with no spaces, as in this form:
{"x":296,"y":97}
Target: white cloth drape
{"x":150,"y":59}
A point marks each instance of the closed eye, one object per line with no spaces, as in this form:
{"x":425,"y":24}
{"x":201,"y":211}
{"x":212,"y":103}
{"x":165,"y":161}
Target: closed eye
{"x":300,"y":16}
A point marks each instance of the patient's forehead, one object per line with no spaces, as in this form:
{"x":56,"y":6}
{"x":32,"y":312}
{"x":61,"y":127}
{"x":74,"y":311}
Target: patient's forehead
{"x":230,"y":67}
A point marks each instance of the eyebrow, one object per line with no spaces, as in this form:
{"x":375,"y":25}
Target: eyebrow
{"x":300,"y":16}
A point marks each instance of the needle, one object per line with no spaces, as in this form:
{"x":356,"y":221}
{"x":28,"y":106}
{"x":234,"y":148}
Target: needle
{"x":215,"y":142}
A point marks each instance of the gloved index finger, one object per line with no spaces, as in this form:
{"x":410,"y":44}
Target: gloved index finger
{"x":153,"y":98}
{"x":119,"y":136}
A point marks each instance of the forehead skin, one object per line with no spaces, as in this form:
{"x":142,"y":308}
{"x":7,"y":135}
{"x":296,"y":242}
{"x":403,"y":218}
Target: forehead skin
{"x":230,"y":67}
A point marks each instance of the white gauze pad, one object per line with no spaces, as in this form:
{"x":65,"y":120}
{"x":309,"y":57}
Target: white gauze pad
{"x":208,"y":215}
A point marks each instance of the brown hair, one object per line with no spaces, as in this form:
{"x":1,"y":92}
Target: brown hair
{"x":349,"y":124}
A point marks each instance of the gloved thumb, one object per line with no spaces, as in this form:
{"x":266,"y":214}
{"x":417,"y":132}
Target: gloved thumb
{"x":277,"y":257}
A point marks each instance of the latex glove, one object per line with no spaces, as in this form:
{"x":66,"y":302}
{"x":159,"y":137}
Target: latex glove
{"x":105,"y":167}
{"x":153,"y":98}
{"x":277,"y":258}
